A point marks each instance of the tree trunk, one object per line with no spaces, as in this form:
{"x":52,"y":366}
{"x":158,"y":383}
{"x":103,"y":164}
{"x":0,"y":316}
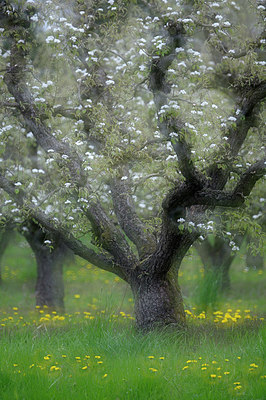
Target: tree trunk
{"x":158,"y":302}
{"x":5,"y":235}
{"x":49,"y":286}
{"x":217,"y":259}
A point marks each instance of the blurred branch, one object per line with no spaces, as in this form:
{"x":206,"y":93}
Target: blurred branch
{"x":103,"y":260}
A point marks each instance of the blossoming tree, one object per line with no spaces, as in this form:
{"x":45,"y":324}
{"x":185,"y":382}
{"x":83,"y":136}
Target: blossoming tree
{"x":143,"y":115}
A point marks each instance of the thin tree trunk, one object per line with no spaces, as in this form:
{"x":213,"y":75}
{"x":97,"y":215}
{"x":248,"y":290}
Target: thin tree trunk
{"x":49,"y":286}
{"x":5,"y":236}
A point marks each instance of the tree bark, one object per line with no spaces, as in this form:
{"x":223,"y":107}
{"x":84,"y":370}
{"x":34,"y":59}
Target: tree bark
{"x":50,"y":285}
{"x":5,"y":235}
{"x":158,"y":301}
{"x":49,"y":289}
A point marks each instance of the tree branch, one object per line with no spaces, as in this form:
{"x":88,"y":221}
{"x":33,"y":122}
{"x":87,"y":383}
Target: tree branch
{"x":168,"y":124}
{"x":128,"y":219}
{"x":101,"y":260}
{"x":110,"y":237}
{"x":249,"y":178}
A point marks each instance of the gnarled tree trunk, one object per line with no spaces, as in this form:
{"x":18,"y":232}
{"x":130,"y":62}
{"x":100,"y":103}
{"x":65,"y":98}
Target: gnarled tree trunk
{"x":158,"y":298}
{"x":158,"y":302}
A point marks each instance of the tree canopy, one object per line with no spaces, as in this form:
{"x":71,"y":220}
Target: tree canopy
{"x":125,"y":124}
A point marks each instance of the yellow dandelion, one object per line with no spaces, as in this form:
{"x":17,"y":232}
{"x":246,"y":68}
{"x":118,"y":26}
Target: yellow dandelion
{"x":213,"y":376}
{"x":238,"y":387}
{"x":226,"y":373}
{"x":54,"y":368}
{"x":161,"y":358}
{"x":105,"y":375}
{"x":150,"y":357}
{"x":85,"y":367}
{"x":253,"y":365}
{"x":186,"y":366}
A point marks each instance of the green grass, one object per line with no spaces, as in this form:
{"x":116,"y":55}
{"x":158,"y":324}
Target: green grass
{"x":44,"y":356}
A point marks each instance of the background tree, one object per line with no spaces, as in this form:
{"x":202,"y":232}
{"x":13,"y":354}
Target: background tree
{"x":5,"y":235}
{"x":129,"y":92}
{"x":50,"y":255}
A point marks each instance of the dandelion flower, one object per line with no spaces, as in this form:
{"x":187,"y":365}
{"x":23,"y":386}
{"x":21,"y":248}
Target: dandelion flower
{"x":54,"y":368}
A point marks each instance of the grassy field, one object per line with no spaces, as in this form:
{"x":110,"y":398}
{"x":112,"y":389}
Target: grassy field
{"x":94,"y":352}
